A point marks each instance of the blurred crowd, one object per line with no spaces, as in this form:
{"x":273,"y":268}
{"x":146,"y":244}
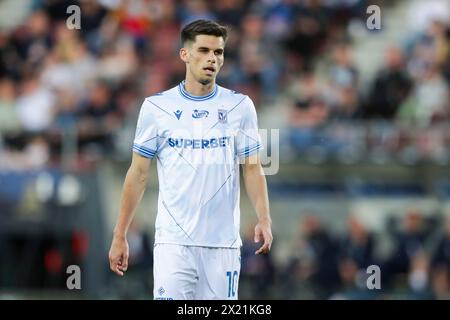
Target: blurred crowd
{"x":411,"y":86}
{"x":411,"y":254}
{"x":405,"y":104}
{"x":58,"y":84}
{"x":70,"y":91}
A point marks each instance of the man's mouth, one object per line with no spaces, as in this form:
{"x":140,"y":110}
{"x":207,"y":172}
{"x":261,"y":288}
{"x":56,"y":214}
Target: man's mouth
{"x":210,"y":69}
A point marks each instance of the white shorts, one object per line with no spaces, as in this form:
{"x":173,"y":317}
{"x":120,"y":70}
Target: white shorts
{"x":195,"y":273}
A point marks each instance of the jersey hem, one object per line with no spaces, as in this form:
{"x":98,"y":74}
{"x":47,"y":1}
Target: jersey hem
{"x":198,"y":245}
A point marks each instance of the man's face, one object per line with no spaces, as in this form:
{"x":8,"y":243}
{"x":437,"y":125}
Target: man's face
{"x":204,"y":57}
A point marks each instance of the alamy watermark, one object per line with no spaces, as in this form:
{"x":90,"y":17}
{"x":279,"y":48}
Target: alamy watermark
{"x":373,"y":280}
{"x":270,"y":154}
{"x":373,"y":22}
{"x":74,"y":279}
{"x":74,"y":20}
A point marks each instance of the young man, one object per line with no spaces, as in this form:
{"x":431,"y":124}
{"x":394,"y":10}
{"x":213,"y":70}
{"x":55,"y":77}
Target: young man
{"x":199,"y":133}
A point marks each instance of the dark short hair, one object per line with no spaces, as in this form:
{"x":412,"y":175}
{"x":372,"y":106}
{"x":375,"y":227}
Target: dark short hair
{"x":205,"y":27}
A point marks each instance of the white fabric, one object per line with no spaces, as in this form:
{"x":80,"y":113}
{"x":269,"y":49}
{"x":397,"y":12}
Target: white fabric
{"x":195,"y":273}
{"x":198,"y":142}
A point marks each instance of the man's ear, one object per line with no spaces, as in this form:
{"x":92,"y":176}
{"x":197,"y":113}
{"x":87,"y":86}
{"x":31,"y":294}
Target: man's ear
{"x":184,"y":55}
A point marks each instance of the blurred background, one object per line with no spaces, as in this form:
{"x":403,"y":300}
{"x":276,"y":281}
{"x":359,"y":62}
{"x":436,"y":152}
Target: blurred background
{"x":364,"y":121}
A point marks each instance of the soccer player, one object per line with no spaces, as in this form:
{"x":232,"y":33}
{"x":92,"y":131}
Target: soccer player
{"x":199,"y":133}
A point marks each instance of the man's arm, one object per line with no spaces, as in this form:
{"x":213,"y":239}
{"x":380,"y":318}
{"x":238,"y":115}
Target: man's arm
{"x":133,"y":189}
{"x":256,"y":186}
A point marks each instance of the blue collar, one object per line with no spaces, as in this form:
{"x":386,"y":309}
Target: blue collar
{"x":186,"y":95}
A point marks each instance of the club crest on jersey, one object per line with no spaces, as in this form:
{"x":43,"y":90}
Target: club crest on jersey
{"x":178,"y":114}
{"x":197,"y":114}
{"x":222,"y":116}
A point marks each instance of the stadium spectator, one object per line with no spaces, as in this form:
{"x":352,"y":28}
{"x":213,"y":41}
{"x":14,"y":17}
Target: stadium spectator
{"x":409,"y":258}
{"x":390,"y":87}
{"x":315,"y":258}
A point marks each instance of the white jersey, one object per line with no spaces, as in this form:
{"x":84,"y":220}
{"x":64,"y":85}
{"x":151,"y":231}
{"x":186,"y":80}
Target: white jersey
{"x":198,"y":142}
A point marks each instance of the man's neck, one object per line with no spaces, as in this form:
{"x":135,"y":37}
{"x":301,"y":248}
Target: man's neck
{"x":197,"y":89}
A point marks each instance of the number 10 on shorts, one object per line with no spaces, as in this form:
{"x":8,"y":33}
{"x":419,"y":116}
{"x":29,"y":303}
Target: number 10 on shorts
{"x":232,"y":283}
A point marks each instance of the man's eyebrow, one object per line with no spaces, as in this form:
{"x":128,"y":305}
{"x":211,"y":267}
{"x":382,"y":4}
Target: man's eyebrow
{"x":206,"y":48}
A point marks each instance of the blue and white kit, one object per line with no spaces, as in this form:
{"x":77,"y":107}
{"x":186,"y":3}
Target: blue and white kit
{"x":198,"y":143}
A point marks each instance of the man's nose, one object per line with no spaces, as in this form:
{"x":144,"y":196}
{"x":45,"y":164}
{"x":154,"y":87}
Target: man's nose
{"x":212,"y":57}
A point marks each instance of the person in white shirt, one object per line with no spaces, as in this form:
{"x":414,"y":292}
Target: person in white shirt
{"x":199,"y":133}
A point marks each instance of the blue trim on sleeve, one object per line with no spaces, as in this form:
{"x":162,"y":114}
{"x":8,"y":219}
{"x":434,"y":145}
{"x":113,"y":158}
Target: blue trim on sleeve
{"x":249,"y":150}
{"x":143,"y":151}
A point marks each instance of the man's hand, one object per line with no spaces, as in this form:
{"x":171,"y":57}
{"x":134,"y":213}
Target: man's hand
{"x":118,"y":255}
{"x":263,"y":230}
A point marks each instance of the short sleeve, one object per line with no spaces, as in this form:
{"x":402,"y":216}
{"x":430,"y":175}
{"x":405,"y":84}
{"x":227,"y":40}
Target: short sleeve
{"x":146,"y":136}
{"x":248,"y":138}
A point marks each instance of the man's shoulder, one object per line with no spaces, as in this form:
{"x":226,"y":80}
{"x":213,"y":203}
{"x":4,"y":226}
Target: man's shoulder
{"x":160,"y":101}
{"x":231,"y":92}
{"x":170,"y":93}
{"x":157,"y":103}
{"x":234,"y":96}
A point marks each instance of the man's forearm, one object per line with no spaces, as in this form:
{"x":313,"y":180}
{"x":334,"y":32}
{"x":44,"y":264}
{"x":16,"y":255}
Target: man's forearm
{"x":256,"y":186}
{"x":133,"y":189}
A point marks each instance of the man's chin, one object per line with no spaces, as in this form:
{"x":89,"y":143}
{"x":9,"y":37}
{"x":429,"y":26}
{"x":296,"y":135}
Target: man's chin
{"x":205,"y":81}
